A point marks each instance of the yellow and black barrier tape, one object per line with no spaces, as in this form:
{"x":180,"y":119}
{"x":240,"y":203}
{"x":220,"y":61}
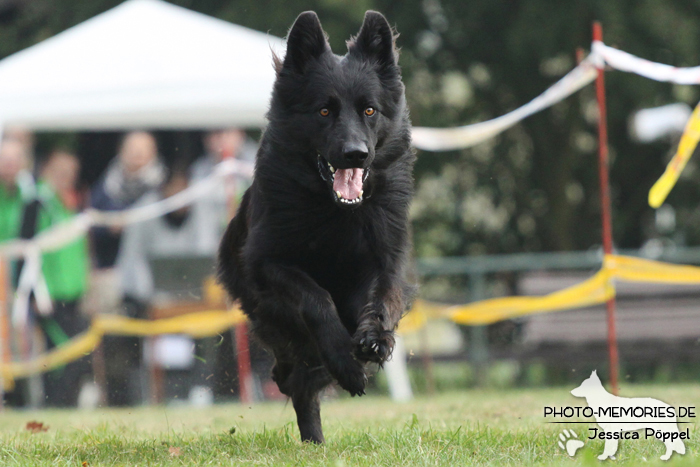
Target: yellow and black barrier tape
{"x":200,"y":324}
{"x":594,"y":291}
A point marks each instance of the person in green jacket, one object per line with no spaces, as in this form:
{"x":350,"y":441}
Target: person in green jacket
{"x":65,"y":271}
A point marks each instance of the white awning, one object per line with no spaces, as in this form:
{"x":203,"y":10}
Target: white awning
{"x":143,"y":64}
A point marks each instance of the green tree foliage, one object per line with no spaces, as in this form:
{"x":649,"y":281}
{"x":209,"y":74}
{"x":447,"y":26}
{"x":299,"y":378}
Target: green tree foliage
{"x":533,"y":188}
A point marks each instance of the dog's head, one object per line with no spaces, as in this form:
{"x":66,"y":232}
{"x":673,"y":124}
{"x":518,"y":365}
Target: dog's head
{"x":339,"y":113}
{"x":589,"y":387}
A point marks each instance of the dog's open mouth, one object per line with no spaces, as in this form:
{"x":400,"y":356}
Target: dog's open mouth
{"x":347,"y":184}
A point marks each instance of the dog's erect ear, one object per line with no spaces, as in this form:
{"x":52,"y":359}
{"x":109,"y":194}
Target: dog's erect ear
{"x":375,"y":40}
{"x":305,"y":41}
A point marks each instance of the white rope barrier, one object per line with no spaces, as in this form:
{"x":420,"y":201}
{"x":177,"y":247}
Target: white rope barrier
{"x":448,"y":139}
{"x":56,"y":237}
{"x":624,"y":61}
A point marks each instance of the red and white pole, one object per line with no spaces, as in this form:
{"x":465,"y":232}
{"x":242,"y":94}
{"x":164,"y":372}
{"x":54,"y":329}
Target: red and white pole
{"x":606,"y":216}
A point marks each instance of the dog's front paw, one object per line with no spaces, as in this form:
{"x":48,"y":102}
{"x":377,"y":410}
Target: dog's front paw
{"x":344,"y":367}
{"x":353,"y":378}
{"x":372,"y":343}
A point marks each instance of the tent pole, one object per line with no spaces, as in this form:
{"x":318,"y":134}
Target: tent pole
{"x":606,"y":216}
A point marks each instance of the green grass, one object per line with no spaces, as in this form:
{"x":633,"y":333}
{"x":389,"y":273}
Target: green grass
{"x":472,"y":427}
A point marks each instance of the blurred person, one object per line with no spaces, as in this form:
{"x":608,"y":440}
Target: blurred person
{"x":16,"y":186}
{"x":213,"y":211}
{"x":211,"y":214}
{"x":65,"y":271}
{"x":135,"y":171}
{"x":172,"y":235}
{"x":21,"y":135}
{"x":220,"y":145}
{"x":16,"y":190}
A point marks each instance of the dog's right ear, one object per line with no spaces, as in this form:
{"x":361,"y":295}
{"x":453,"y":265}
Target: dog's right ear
{"x":306,"y":41}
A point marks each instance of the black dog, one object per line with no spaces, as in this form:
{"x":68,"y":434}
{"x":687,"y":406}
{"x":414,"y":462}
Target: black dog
{"x":317,"y":251}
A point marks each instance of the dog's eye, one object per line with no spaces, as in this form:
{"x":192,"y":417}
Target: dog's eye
{"x":324,"y":112}
{"x":369,"y":111}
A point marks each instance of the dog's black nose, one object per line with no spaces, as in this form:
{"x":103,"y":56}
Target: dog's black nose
{"x":355,"y":153}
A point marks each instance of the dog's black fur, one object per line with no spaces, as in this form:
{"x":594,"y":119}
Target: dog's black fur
{"x":323,"y":281}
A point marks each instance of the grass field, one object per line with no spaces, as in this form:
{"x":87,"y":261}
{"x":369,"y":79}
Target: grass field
{"x":473,"y":427}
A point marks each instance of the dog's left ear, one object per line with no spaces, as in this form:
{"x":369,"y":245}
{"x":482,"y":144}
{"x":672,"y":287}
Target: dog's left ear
{"x":375,"y":40}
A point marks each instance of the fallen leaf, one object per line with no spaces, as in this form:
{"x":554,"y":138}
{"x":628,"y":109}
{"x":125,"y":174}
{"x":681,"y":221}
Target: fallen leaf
{"x":85,"y":464}
{"x":36,"y":427}
{"x":174,"y":452}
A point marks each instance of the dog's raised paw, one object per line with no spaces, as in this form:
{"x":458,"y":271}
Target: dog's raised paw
{"x":373,"y":345}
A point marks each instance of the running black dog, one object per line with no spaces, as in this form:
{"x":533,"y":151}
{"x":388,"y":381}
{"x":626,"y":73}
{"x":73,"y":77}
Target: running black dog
{"x":317,"y":252}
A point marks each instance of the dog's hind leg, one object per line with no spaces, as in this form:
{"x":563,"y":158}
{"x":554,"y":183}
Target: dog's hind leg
{"x":308,"y":409}
{"x":307,"y":383}
{"x":293,"y":301}
{"x":303,"y":381}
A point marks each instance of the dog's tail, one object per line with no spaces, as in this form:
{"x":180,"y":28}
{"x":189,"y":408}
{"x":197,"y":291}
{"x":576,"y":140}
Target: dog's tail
{"x":230,"y":267}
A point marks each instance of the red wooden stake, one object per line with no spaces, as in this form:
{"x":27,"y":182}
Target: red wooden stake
{"x":605,"y":206}
{"x":245,"y":374}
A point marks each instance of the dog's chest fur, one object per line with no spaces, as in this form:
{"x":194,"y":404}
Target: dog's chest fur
{"x":338,"y":248}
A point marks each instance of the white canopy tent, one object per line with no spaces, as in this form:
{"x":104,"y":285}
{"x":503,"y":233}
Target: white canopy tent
{"x":144,"y":63}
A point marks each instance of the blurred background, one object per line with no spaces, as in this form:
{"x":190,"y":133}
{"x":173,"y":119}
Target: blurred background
{"x":531,"y":191}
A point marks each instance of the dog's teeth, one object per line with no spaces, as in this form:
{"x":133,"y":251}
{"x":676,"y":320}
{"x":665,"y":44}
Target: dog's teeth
{"x":332,"y":168}
{"x":361,"y":193}
{"x":339,"y":195}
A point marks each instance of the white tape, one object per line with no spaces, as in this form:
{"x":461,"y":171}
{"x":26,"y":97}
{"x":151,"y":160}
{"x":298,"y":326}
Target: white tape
{"x":67,"y":232}
{"x":624,"y":61}
{"x":447,"y":139}
{"x":30,"y":280}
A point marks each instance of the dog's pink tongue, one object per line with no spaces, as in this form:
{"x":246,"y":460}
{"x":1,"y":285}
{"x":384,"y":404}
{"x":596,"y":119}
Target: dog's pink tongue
{"x":348,"y":182}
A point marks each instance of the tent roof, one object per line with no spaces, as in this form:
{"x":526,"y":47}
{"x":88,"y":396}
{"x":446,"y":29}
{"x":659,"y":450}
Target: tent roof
{"x":144,"y":63}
